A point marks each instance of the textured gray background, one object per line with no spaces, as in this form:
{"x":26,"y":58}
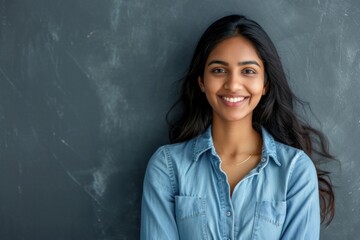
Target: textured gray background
{"x":85,"y":85}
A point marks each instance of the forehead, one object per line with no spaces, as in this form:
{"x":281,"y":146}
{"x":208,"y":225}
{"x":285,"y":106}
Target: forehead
{"x":236,"y":48}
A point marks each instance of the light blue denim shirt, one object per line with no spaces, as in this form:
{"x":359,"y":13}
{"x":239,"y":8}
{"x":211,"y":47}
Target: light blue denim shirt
{"x":187,"y":196}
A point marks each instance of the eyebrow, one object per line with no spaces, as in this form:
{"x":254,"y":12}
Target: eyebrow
{"x":239,"y":63}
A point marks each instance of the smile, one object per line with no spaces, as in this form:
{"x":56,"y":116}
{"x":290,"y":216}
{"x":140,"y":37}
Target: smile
{"x":234,"y":99}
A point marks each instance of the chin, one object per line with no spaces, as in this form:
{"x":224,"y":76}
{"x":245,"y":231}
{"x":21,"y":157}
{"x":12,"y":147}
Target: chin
{"x":239,"y":118}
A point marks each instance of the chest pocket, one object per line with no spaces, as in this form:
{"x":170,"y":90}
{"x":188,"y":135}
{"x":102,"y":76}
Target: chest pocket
{"x":191,"y":217}
{"x":269,"y":220}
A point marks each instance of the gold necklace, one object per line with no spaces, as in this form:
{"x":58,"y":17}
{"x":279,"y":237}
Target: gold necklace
{"x":243,"y":161}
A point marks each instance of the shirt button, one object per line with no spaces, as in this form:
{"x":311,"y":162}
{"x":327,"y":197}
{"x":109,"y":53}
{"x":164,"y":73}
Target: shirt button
{"x":263,"y":159}
{"x":228,"y":213}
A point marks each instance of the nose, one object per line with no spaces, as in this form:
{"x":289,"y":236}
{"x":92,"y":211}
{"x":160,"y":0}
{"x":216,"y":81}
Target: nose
{"x":233,"y":83}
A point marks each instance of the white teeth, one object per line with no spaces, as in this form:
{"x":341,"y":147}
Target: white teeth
{"x":233,"y":100}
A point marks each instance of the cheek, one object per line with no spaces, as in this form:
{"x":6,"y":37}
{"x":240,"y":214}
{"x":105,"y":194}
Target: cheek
{"x":212,"y":85}
{"x":257,"y":86}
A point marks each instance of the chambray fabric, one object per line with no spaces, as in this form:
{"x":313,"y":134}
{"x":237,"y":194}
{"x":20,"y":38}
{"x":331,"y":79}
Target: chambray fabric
{"x":186,"y":195}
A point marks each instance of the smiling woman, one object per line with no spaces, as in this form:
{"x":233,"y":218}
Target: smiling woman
{"x":233,"y":80}
{"x":242,"y":165}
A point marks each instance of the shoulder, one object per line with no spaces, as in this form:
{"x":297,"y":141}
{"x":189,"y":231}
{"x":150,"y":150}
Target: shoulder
{"x":299,"y":166}
{"x":168,"y":155}
{"x":175,"y":149}
{"x":284,"y":155}
{"x":291,"y":156}
{"x":163,"y":166}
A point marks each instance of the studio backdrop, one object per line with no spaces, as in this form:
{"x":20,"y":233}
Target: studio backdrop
{"x":85,"y":86}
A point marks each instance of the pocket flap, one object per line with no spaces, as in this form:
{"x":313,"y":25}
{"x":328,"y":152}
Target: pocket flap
{"x":188,"y":206}
{"x":273,"y":212}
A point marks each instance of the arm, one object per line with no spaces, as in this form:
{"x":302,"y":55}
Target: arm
{"x":303,"y":211}
{"x":157,"y":210}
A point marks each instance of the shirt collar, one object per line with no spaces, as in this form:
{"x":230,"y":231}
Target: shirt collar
{"x":204,"y":143}
{"x":269,"y":146}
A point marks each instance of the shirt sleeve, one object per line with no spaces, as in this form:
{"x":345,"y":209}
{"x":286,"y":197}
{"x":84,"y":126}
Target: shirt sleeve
{"x":303,"y":211}
{"x":157,"y":208}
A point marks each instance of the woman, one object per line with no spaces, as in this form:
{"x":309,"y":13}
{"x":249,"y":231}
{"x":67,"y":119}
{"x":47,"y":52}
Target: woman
{"x":239,"y":166}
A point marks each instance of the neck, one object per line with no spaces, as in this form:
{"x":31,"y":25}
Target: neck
{"x":235,"y":138}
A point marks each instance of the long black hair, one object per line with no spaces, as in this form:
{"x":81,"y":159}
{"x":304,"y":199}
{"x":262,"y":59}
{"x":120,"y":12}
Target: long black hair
{"x":275,"y":110}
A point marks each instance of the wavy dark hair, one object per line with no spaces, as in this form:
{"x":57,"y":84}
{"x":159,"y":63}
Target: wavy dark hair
{"x":275,"y":110}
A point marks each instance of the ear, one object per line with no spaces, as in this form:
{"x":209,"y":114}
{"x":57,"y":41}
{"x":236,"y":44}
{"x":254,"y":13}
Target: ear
{"x":266,"y":85}
{"x":265,"y":89}
{"x":201,"y":84}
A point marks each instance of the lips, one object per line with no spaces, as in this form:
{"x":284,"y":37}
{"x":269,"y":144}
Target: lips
{"x":234,"y":99}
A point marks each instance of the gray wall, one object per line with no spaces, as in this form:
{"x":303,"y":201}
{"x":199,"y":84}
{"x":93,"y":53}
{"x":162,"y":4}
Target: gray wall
{"x":85,"y":85}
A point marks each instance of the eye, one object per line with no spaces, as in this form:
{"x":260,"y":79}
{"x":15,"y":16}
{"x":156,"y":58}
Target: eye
{"x":248,"y":71}
{"x":218,"y":70}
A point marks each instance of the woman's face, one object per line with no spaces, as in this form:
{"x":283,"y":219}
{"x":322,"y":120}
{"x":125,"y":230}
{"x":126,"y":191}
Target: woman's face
{"x":233,"y":79}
